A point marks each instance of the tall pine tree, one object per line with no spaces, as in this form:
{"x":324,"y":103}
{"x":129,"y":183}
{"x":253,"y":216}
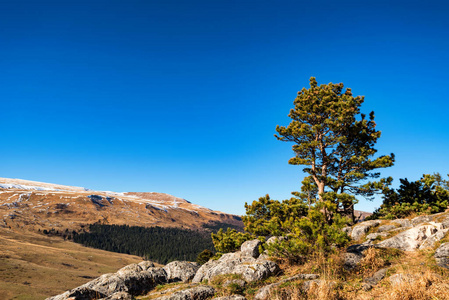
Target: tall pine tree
{"x":336,"y":144}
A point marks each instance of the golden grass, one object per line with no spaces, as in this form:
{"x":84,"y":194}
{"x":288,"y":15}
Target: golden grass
{"x":34,"y":266}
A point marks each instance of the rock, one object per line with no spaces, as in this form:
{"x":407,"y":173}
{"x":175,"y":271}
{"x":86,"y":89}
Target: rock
{"x":265,"y":292}
{"x":373,"y":236}
{"x":442,"y":255}
{"x":354,"y":255}
{"x":410,"y":239}
{"x":145,"y":265}
{"x":201,"y":292}
{"x":402,"y":222}
{"x":360,"y":229}
{"x":235,"y":263}
{"x":129,"y":268}
{"x":138,"y":283}
{"x":119,"y":296}
{"x":384,"y":228}
{"x":421,"y":219}
{"x":378,"y":276}
{"x":181,"y":271}
{"x":125,"y":280}
{"x":251,"y":248}
{"x":107,"y":284}
{"x":430,"y":241}
{"x":352,"y":260}
{"x":84,"y":293}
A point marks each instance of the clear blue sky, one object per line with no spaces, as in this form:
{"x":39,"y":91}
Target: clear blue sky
{"x":183,"y":97}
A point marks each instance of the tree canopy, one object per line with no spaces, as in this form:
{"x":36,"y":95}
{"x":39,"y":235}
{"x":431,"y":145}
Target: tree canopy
{"x":335,"y":142}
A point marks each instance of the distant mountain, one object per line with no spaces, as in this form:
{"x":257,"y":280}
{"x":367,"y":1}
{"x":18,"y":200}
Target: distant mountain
{"x":44,"y":206}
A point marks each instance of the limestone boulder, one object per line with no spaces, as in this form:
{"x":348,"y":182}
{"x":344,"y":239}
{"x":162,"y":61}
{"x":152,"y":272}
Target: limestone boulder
{"x":362,"y":228}
{"x":442,"y":255}
{"x":181,"y":271}
{"x":412,"y":238}
{"x":250,"y":248}
{"x":242,"y":262}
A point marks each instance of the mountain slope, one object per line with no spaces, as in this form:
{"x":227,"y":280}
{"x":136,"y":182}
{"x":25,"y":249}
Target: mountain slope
{"x":40,"y":206}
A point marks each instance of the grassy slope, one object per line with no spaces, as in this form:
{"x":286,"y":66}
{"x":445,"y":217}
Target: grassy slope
{"x":34,"y":266}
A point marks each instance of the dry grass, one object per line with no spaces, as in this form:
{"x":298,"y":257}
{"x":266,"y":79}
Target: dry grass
{"x":34,"y":266}
{"x":425,"y":286}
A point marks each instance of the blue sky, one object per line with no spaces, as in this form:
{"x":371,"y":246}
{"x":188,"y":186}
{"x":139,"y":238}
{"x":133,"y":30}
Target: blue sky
{"x":183,"y":97}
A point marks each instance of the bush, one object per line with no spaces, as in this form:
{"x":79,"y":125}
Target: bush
{"x":204,"y":256}
{"x":428,"y":195}
{"x":229,"y":241}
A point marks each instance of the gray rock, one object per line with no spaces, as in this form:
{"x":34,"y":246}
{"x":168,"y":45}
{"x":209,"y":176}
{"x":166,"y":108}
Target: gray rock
{"x":181,"y":271}
{"x":265,"y":292}
{"x":354,"y":255}
{"x":125,"y":280}
{"x":373,"y":236}
{"x":129,"y":268}
{"x":145,"y":265}
{"x":201,"y":292}
{"x":384,"y":228}
{"x":351,"y":260}
{"x":410,"y":239}
{"x":107,"y":284}
{"x":402,"y":222}
{"x":421,"y":219}
{"x":378,"y":276}
{"x":430,"y":241}
{"x":250,"y":248}
{"x":442,"y":255}
{"x":138,"y":283}
{"x":84,"y":293}
{"x":235,"y":263}
{"x":442,"y":251}
{"x":360,"y":229}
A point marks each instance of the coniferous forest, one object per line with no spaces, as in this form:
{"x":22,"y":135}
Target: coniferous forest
{"x":157,"y":244}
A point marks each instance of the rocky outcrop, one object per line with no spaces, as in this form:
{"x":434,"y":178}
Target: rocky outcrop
{"x":442,"y":255}
{"x":412,"y":238}
{"x":181,"y":271}
{"x":132,"y":280}
{"x":242,"y":262}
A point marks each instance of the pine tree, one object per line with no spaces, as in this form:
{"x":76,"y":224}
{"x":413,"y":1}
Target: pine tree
{"x":336,"y":144}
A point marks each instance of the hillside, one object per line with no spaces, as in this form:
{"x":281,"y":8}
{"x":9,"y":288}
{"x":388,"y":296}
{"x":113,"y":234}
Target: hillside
{"x":39,"y":206}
